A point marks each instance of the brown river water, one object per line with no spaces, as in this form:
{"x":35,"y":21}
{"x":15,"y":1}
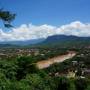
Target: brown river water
{"x":46,"y":63}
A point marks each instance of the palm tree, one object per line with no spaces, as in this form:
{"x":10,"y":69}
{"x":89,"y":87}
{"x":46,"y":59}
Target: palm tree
{"x":7,"y":17}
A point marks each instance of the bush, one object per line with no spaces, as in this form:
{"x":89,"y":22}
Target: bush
{"x":81,"y":84}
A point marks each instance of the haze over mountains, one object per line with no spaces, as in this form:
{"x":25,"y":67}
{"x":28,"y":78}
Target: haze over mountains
{"x":24,"y":42}
{"x":54,"y":39}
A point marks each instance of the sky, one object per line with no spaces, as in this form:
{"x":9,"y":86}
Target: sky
{"x":42,"y":18}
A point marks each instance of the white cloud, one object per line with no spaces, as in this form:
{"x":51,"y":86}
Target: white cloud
{"x":27,"y":32}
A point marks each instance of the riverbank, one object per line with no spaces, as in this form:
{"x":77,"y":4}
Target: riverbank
{"x":46,"y":63}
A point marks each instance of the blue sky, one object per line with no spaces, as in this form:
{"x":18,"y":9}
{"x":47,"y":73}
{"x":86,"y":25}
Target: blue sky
{"x":42,"y":18}
{"x":53,"y":12}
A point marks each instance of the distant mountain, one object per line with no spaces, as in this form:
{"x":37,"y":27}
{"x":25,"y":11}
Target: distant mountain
{"x":64,"y":40}
{"x":22,"y":43}
{"x":55,"y":40}
{"x":8,"y":46}
{"x":61,"y":38}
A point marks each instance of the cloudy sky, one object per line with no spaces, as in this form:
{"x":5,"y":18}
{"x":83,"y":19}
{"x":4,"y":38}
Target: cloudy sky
{"x":42,"y":18}
{"x":30,"y":31}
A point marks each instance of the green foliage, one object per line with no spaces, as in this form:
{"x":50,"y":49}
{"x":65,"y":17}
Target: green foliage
{"x":63,"y":84}
{"x":35,"y":81}
{"x":7,"y":17}
{"x":88,"y":88}
{"x":22,"y":74}
{"x":25,"y":66}
{"x":9,"y":69}
{"x":81,"y":84}
{"x":4,"y":82}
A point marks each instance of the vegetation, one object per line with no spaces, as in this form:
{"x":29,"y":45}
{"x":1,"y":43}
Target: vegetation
{"x":21,"y":73}
{"x":7,"y":17}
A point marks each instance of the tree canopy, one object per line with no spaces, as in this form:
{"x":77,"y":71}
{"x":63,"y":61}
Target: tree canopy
{"x":7,"y":17}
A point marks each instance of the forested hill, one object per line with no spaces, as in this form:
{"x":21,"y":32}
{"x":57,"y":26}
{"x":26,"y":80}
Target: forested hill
{"x":63,"y":40}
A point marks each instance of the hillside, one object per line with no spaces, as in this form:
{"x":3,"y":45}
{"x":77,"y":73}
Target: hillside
{"x":66,"y":41}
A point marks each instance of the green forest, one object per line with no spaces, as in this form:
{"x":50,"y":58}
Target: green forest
{"x":21,"y":73}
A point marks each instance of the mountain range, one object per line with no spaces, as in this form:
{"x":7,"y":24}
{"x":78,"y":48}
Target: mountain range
{"x":64,"y":38}
{"x":51,"y":40}
{"x":23,"y":43}
{"x":66,"y":41}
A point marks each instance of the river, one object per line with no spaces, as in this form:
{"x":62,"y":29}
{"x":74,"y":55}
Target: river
{"x":46,"y":63}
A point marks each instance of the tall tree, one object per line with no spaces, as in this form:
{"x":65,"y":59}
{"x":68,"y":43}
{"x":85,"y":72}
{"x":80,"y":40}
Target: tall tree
{"x":7,"y":17}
